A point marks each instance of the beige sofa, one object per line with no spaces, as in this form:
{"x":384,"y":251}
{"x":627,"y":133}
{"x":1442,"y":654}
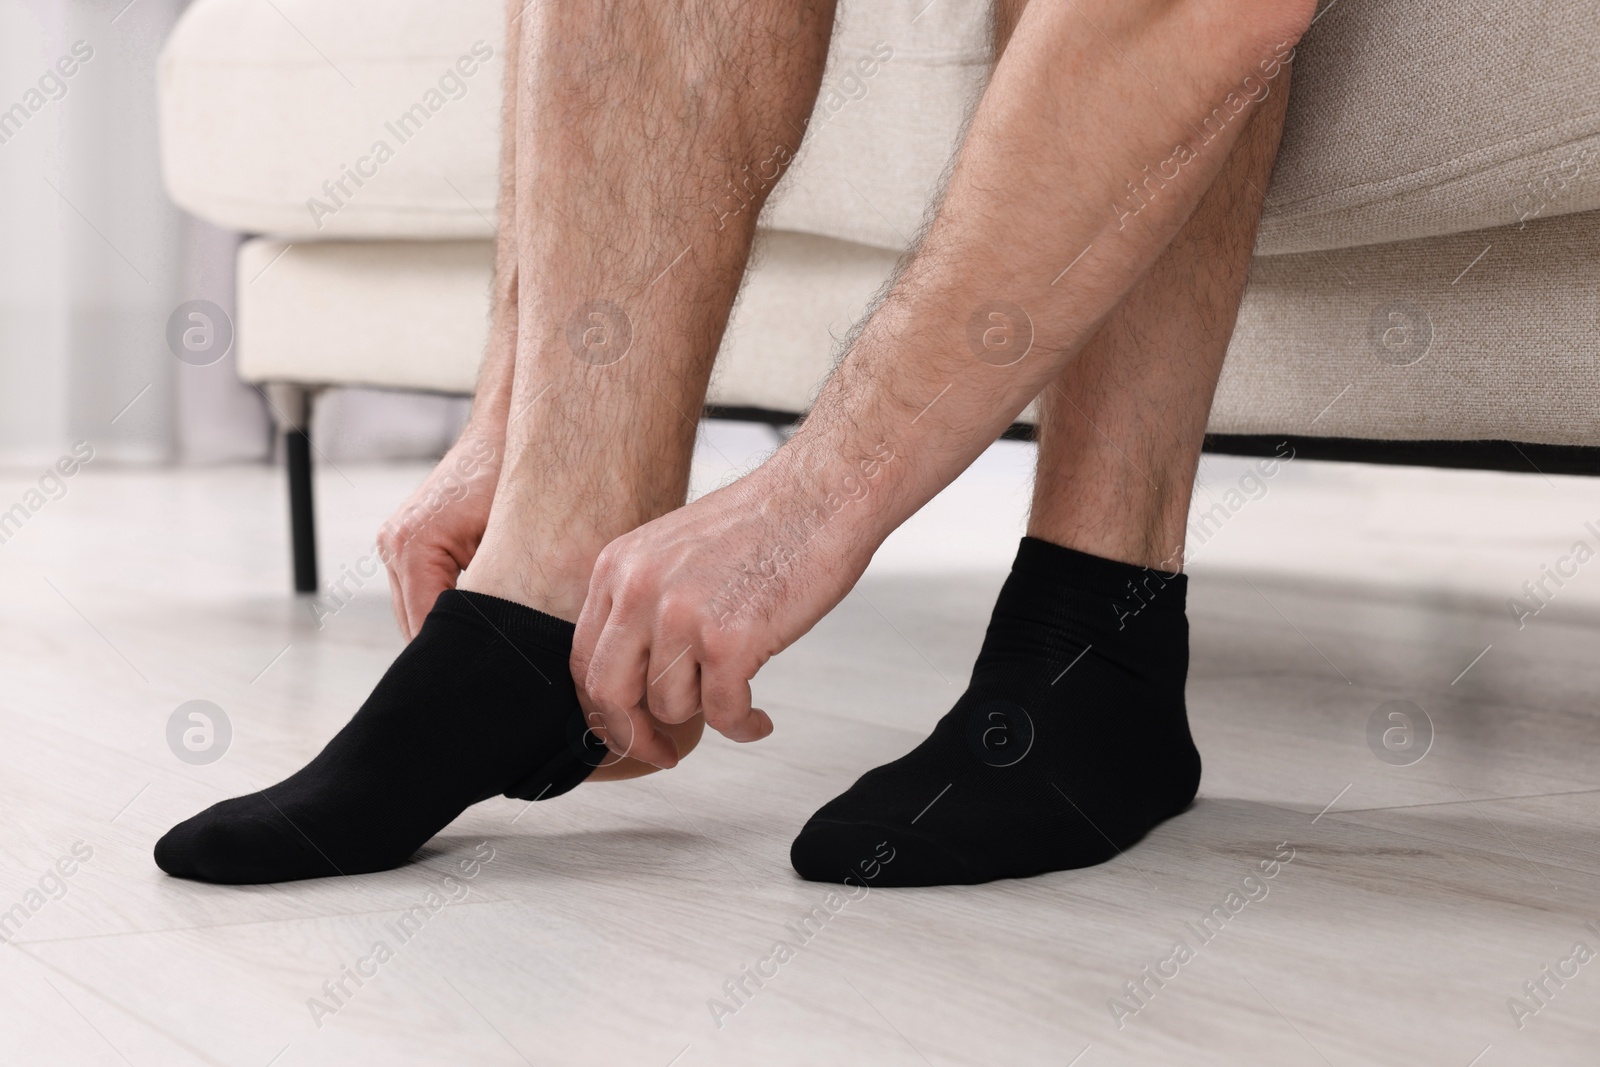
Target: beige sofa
{"x":1426,"y":271}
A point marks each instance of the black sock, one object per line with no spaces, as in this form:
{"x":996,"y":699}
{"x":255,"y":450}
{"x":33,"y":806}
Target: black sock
{"x":481,"y":702}
{"x":1069,"y":745}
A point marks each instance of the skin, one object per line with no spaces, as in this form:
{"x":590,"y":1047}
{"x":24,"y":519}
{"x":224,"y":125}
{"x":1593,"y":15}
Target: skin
{"x":648,"y":151}
{"x":678,"y":607}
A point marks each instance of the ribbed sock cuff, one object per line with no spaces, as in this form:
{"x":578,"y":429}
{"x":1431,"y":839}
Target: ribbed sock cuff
{"x":518,"y":622}
{"x":1098,"y":576}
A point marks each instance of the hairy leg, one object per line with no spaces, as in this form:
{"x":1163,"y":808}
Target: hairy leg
{"x":646,"y":139}
{"x":1072,"y":740}
{"x":432,"y":537}
{"x":1120,"y":430}
{"x":1103,"y":126}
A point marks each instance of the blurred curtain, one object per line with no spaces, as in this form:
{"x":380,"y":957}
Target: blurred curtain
{"x":94,"y":259}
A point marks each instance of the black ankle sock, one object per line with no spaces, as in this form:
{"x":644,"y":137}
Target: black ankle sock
{"x":1069,"y":745}
{"x":481,"y":702}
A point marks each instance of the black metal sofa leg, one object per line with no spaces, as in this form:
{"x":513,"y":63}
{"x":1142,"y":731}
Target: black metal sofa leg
{"x":291,"y":406}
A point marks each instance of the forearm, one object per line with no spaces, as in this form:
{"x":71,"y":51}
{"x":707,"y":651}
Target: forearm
{"x":1076,"y":174}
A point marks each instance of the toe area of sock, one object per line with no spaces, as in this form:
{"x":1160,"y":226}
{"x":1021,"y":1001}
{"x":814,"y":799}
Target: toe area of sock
{"x":237,"y":849}
{"x":876,"y":855}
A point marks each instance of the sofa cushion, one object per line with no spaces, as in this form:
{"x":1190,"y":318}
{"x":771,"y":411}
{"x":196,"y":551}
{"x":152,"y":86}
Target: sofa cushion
{"x":1411,"y":118}
{"x":415,"y":315}
{"x":1487,"y":335}
{"x":1418,"y":118}
{"x":264,"y":106}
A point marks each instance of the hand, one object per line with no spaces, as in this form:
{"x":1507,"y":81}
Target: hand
{"x":429,"y":541}
{"x":683,"y":611}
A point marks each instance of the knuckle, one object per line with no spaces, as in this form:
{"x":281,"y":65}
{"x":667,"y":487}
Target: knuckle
{"x":578,"y":666}
{"x":607,"y":561}
{"x":720,"y":719}
{"x":388,"y":542}
{"x":669,"y":712}
{"x":716,"y":644}
{"x":603,"y":693}
{"x":676,"y":611}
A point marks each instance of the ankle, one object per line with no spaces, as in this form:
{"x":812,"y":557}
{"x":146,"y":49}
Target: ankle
{"x":1154,"y":546}
{"x":554,"y":582}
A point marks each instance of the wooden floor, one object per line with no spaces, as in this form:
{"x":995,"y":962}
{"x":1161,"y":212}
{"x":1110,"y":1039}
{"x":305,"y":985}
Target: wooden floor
{"x":1418,"y":901}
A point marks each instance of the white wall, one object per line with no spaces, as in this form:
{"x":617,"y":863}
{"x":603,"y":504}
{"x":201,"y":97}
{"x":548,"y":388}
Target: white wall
{"x":94,"y":259}
{"x":90,"y":263}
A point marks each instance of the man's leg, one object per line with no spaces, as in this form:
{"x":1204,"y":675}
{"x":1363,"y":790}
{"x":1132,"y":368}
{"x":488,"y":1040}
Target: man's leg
{"x":1073,"y":740}
{"x":432,"y":537}
{"x":632,"y":275}
{"x":1120,"y":431}
{"x":647,"y":138}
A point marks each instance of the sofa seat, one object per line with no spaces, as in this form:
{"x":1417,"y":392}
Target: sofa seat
{"x":1427,"y":268}
{"x":1410,"y":119}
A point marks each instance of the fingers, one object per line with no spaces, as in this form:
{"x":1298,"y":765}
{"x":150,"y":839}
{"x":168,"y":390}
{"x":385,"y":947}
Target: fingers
{"x":422,"y":587}
{"x":418,"y":573}
{"x":673,"y":688}
{"x":725,"y":697}
{"x":647,"y":657}
{"x":591,"y":624}
{"x":685,"y":735}
{"x":397,"y":602}
{"x":631,"y":733}
{"x":609,"y":659}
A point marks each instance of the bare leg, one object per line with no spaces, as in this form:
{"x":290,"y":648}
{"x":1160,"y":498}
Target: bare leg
{"x":432,"y":537}
{"x":1120,"y":430}
{"x":647,"y":140}
{"x":1042,"y":225}
{"x":1106,"y":127}
{"x":1120,"y":436}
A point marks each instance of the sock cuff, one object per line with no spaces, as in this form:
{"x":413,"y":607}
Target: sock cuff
{"x":1096,"y":575}
{"x":516,"y":621}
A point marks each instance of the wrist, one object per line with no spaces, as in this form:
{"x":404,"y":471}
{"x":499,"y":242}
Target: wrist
{"x":837,"y":496}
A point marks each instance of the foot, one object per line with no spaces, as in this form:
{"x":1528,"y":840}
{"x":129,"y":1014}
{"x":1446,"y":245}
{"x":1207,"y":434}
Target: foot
{"x":1071,"y":743}
{"x":480,"y":703}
